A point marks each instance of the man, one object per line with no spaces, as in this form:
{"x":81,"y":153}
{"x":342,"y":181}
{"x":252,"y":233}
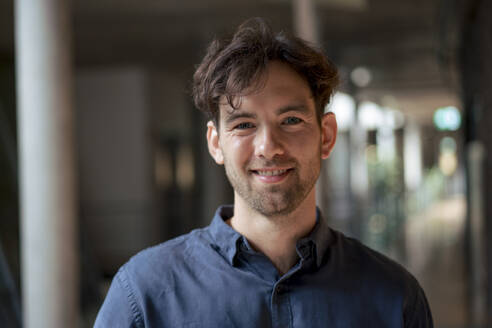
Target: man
{"x":269,"y":260}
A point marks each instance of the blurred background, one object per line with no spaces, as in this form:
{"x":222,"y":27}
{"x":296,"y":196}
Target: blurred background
{"x":409,"y":175}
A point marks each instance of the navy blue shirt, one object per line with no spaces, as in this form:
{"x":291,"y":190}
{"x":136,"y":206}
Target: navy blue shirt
{"x":211,"y":277}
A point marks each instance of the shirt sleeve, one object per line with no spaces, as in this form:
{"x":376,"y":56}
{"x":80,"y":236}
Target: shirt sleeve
{"x":417,"y":313}
{"x":120,"y":308}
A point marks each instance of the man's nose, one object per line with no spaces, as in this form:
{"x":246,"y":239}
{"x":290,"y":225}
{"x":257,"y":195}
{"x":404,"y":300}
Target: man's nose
{"x":268,"y":143}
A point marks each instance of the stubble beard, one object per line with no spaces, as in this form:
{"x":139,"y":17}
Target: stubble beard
{"x":275,"y":200}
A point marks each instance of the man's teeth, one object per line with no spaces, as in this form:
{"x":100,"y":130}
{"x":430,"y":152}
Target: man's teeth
{"x":275,"y":172}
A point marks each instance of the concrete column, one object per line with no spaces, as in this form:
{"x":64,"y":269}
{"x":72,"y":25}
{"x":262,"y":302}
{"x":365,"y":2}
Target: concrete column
{"x":46,"y":158}
{"x":305,"y":24}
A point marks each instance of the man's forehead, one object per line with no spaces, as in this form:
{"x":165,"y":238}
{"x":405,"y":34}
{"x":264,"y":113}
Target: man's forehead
{"x":298,"y":106}
{"x":277,"y":90}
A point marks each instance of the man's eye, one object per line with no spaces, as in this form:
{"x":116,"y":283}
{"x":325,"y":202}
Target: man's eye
{"x":243,"y":126}
{"x":292,"y":120}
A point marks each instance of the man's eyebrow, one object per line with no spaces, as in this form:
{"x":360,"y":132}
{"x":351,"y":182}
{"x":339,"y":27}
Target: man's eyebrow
{"x":238,"y":114}
{"x":293,"y":108}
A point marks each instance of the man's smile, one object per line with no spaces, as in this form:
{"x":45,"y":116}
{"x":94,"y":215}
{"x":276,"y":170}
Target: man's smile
{"x":270,"y":172}
{"x":272,"y":175}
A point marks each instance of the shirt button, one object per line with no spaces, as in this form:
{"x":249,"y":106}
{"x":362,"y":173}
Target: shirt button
{"x":280,"y":289}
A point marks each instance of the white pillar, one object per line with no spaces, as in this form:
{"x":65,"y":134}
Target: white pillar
{"x":412,"y":157}
{"x":305,"y":24}
{"x":46,"y":158}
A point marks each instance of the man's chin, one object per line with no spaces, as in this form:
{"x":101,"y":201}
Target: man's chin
{"x":277,"y":190}
{"x":275,"y":213}
{"x":272,"y":208}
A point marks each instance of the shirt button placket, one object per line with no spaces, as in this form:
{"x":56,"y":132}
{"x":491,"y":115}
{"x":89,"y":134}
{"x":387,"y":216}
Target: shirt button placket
{"x":280,"y":307}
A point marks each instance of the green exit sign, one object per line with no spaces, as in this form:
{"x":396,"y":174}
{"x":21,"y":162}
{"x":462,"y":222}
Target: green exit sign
{"x":447,"y":118}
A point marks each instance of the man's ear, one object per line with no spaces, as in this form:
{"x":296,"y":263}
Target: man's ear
{"x":328,"y":134}
{"x":213,"y":143}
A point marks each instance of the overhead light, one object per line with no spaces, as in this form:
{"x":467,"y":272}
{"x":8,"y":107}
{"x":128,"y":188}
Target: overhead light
{"x":343,"y":106}
{"x":361,"y":76}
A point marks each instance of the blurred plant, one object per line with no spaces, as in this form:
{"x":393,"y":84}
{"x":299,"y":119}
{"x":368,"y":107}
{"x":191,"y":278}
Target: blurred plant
{"x":431,"y":189}
{"x":385,"y":214}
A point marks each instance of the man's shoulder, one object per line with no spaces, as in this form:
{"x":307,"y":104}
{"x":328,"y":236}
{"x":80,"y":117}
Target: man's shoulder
{"x":360,"y":259}
{"x":165,"y":259}
{"x":373,"y":275}
{"x":175,"y":247}
{"x":149,"y":275}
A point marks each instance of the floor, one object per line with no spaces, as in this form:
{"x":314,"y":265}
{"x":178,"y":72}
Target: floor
{"x":435,"y":248}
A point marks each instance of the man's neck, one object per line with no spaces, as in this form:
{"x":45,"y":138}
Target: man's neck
{"x":275,"y":237}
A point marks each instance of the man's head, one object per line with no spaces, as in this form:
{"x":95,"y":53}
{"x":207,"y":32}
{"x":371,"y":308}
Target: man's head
{"x":235,"y":66}
{"x":267,"y":124}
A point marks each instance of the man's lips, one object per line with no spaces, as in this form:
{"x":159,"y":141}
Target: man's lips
{"x":270,"y":172}
{"x":271,"y":175}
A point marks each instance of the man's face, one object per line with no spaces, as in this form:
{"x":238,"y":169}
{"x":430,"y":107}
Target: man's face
{"x":272,"y":144}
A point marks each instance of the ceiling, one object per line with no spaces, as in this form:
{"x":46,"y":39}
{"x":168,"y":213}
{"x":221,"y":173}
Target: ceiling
{"x":399,"y":41}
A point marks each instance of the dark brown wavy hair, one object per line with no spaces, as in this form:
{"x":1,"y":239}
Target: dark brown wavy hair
{"x":236,"y":65}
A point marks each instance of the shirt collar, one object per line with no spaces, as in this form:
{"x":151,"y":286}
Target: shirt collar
{"x":318,"y":240}
{"x":226,"y":238}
